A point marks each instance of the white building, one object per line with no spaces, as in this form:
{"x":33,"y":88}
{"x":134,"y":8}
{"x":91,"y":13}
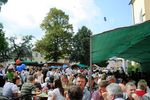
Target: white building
{"x":140,"y":10}
{"x":36,"y":56}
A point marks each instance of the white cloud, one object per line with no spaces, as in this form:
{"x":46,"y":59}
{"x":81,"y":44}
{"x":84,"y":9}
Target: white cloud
{"x":28,"y":14}
{"x":80,"y":11}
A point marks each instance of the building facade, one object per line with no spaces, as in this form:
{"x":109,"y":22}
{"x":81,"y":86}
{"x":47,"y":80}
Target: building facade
{"x":140,"y":10}
{"x":141,"y":13}
{"x":36,"y":56}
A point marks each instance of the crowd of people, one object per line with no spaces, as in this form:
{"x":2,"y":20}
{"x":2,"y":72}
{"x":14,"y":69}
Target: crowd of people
{"x":71,"y":84}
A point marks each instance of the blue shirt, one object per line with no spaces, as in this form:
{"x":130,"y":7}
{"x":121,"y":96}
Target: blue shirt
{"x":86,"y":94}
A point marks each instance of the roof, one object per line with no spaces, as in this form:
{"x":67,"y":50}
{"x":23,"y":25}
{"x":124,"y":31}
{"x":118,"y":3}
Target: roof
{"x":132,"y":43}
{"x":30,"y":63}
{"x":131,"y":2}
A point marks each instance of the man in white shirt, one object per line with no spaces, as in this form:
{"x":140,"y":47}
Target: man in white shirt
{"x":10,"y":89}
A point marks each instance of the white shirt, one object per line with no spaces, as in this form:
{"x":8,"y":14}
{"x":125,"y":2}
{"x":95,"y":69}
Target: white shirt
{"x":10,"y":88}
{"x":56,"y":93}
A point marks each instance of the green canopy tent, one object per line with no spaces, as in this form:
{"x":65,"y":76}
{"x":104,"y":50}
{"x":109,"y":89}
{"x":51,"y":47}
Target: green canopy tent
{"x":30,"y":63}
{"x":132,"y":43}
{"x":82,"y":66}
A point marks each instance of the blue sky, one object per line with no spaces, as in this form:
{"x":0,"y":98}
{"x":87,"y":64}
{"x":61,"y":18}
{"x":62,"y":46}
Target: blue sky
{"x":23,"y":17}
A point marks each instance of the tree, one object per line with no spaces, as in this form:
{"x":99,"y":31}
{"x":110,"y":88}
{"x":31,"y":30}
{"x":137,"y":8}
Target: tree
{"x":2,"y":2}
{"x":58,"y":32}
{"x":3,"y":42}
{"x":81,"y":46}
{"x":3,"y":45}
{"x":23,"y":49}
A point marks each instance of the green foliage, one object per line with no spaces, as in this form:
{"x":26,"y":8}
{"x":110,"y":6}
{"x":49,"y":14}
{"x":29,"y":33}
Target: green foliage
{"x":134,"y":67}
{"x":58,"y":32}
{"x":4,"y":1}
{"x":81,"y":46}
{"x":22,"y":49}
{"x":1,"y":26}
{"x":3,"y":42}
{"x":3,"y":45}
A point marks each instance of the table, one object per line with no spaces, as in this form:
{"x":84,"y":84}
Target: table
{"x":43,"y":96}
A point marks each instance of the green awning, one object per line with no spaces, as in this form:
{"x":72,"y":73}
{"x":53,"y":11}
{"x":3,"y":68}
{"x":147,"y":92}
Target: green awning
{"x":82,"y":66}
{"x":132,"y":43}
{"x":30,"y":63}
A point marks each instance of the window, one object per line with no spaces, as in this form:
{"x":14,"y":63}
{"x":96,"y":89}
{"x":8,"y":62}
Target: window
{"x":141,"y":16}
{"x":36,"y":54}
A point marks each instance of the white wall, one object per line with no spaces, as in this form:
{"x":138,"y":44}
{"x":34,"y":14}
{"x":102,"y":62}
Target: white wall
{"x":138,"y":11}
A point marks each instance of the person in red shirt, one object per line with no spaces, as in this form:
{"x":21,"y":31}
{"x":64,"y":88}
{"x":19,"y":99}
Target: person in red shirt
{"x":141,"y":88}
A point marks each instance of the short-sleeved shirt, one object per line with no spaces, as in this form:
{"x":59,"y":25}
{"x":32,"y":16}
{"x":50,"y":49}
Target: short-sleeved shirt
{"x":57,"y":94}
{"x":10,"y":88}
{"x":146,"y":96}
{"x":97,"y":96}
{"x":27,"y":89}
{"x":10,"y":76}
{"x":86,"y":94}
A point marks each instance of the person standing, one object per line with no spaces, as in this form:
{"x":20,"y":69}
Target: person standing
{"x":130,"y":92}
{"x":81,"y":82}
{"x":45,"y":69}
{"x":2,"y":80}
{"x":114,"y":92}
{"x":58,"y":92}
{"x":74,"y":93}
{"x":99,"y":94}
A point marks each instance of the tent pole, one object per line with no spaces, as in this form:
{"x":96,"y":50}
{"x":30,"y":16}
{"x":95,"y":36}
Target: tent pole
{"x":90,"y":54}
{"x":90,"y":62}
